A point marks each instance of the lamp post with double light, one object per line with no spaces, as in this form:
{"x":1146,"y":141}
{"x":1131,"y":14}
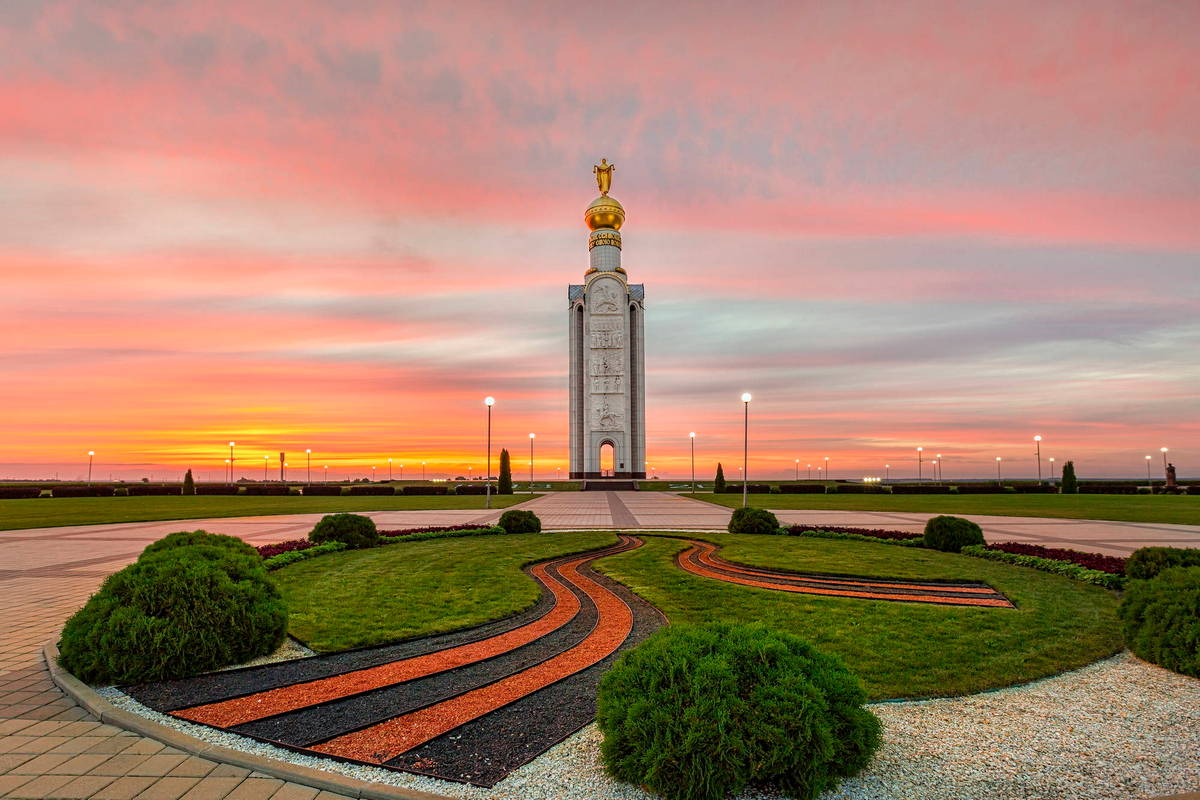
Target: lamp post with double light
{"x":746,"y":397}
{"x":489,"y":402}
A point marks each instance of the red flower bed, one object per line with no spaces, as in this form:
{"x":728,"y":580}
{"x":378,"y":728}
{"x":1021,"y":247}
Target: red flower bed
{"x":878,"y":533}
{"x":268,"y":550}
{"x":1111,"y":564}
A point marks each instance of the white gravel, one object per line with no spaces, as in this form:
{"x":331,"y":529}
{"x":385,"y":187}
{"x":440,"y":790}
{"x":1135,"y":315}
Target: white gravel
{"x":1119,"y":728}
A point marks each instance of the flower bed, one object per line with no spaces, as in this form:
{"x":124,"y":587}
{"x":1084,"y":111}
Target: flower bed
{"x":268,"y":550}
{"x":874,"y":533}
{"x":1065,"y":568}
{"x":1097,"y":561}
{"x":433,"y":529}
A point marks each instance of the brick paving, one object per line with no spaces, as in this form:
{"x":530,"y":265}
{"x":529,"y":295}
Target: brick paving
{"x":52,"y":748}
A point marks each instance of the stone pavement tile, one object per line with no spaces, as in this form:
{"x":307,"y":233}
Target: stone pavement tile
{"x":111,"y":744}
{"x":10,"y":726}
{"x":82,"y":787}
{"x":10,"y":783}
{"x":80,"y":744}
{"x":193,"y":767}
{"x":255,"y":789}
{"x":10,"y":761}
{"x":80,"y":764}
{"x":294,"y":791}
{"x":168,"y":788}
{"x":328,"y":795}
{"x":229,"y":771}
{"x":146,"y":747}
{"x":41,"y":786}
{"x":121,"y":764}
{"x":211,"y":788}
{"x":40,"y":765}
{"x":158,"y":764}
{"x":126,"y":788}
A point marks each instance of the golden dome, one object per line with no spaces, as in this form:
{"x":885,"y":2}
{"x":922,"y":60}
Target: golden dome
{"x":604,"y":212}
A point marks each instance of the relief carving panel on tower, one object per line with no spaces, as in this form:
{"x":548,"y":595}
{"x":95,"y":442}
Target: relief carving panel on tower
{"x":606,"y":298}
{"x":607,"y":333}
{"x":607,"y":363}
{"x":608,"y":384}
{"x":607,"y":415}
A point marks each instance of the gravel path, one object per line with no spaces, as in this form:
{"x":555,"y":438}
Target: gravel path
{"x":1119,"y":728}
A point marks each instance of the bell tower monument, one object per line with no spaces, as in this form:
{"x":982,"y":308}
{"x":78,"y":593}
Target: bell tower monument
{"x":607,"y":370}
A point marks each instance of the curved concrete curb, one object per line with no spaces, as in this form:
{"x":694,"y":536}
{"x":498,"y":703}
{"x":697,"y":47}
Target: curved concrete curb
{"x":109,"y":714}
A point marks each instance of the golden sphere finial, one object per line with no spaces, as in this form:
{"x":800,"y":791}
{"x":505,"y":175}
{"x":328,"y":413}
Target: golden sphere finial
{"x":605,"y":212}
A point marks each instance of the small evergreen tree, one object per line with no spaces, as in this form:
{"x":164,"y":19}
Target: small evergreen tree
{"x":504,"y":486}
{"x":189,"y":484}
{"x":1070,"y":485}
{"x":719,"y":483}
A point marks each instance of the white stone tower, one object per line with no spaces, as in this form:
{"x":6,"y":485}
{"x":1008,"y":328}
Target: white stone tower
{"x":607,"y":371}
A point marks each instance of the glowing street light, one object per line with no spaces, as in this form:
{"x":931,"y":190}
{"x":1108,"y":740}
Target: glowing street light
{"x":940,"y":473}
{"x":308,"y":455}
{"x":231,"y":444}
{"x":372,"y":473}
{"x":326,"y":473}
{"x":797,"y":469}
{"x":1149,"y":479}
{"x":809,"y":472}
{"x":920,"y":451}
{"x":827,"y":472}
{"x":746,"y":397}
{"x":1038,"y":441}
{"x":91,"y":455}
{"x":532,"y":436}
{"x":997,"y":469}
{"x":1051,"y":460}
{"x":1163,"y":450}
{"x":887,"y":472}
{"x":692,"y":439}
{"x":489,"y":402}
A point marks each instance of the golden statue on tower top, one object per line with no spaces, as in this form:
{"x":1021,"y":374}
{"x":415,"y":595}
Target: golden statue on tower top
{"x":603,"y":172}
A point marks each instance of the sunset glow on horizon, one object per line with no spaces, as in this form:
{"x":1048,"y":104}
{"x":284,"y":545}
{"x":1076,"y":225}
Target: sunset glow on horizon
{"x":297,"y":225}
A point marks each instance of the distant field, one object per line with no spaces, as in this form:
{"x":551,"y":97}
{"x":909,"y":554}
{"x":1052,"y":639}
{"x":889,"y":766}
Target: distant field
{"x":1182,"y":510}
{"x":48,"y":512}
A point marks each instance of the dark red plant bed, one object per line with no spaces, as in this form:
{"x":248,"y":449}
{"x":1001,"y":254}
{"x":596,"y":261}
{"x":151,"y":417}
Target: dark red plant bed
{"x":1111,"y":564}
{"x":268,"y":550}
{"x":878,"y":533}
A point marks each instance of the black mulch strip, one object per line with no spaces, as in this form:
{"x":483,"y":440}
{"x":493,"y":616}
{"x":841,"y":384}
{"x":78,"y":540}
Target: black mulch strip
{"x":794,"y":579}
{"x":484,"y":751}
{"x":307,"y":726}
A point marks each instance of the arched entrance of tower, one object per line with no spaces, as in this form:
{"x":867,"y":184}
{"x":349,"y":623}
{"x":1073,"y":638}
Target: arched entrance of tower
{"x":608,"y":456}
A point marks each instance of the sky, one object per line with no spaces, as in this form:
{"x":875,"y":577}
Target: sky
{"x":338,"y":226}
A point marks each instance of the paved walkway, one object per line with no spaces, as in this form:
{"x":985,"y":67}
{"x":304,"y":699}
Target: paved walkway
{"x":51,"y":748}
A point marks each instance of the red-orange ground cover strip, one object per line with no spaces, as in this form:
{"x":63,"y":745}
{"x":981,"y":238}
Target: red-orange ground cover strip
{"x":707,"y":556}
{"x":240,"y":710}
{"x":386,"y":740}
{"x":687,"y":565}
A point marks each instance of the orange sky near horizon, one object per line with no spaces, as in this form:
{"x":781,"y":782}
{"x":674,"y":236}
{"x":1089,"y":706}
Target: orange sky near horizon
{"x":294,"y":225}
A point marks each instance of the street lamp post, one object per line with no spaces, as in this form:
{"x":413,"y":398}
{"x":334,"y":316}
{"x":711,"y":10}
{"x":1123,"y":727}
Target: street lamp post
{"x":266,"y":463}
{"x":692,"y":439}
{"x":532,"y":436}
{"x":827,"y":472}
{"x":809,"y":472}
{"x":228,"y":471}
{"x":998,"y":480}
{"x":745,"y":448}
{"x":372,"y":473}
{"x":401,"y":472}
{"x":326,"y":473}
{"x":797,"y":469}
{"x":887,"y":472}
{"x":489,"y":402}
{"x":1149,"y":479}
{"x":308,"y":455}
{"x":1051,"y":460}
{"x":231,"y":462}
{"x":1038,"y":441}
{"x":920,"y":451}
{"x":1163,"y":450}
{"x":940,"y":473}
{"x":422,"y":470}
{"x":389,"y":470}
{"x":91,"y":455}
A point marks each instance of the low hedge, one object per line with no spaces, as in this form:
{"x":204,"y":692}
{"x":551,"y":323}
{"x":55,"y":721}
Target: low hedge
{"x":150,"y":490}
{"x":373,"y":491}
{"x":268,"y":489}
{"x":443,"y":534}
{"x":951,"y":534}
{"x":828,"y":534}
{"x":425,"y":490}
{"x":873,"y":533}
{"x":857,"y":488}
{"x":706,"y":712}
{"x":472,"y":488}
{"x":353,"y":530}
{"x":753,"y":520}
{"x":919,"y":488}
{"x":322,"y":490}
{"x":982,"y":488}
{"x":216,"y":489}
{"x":81,"y":491}
{"x":1146,"y":562}
{"x":19,"y":492}
{"x":173,"y":614}
{"x":1161,"y":617}
{"x":801,"y":488}
{"x":291,"y":556}
{"x":1064,"y":568}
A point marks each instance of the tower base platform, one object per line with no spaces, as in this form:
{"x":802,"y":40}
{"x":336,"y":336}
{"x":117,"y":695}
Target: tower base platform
{"x":609,"y":485}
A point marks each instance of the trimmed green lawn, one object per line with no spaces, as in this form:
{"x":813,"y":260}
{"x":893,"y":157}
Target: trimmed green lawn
{"x":1182,"y":509}
{"x":369,"y":597}
{"x":48,"y":512}
{"x":898,"y":649}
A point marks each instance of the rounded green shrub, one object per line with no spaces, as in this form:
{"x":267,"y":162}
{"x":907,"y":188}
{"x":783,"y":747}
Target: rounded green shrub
{"x":753,"y":520}
{"x":353,"y":530}
{"x":703,"y":712}
{"x":516,"y":520}
{"x":1162,"y":619}
{"x":173,"y":614}
{"x":190,"y":538}
{"x":1146,"y":562}
{"x":951,"y":534}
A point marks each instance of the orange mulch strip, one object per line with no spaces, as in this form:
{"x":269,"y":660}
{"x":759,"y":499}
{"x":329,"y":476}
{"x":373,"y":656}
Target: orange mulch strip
{"x":240,"y":710}
{"x":698,"y":547}
{"x":707,"y":556}
{"x":386,"y":740}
